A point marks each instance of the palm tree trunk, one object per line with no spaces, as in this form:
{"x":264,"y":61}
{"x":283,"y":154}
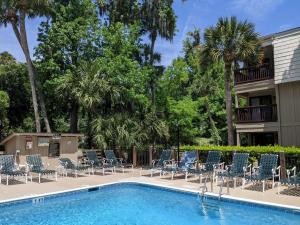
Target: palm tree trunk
{"x":34,"y":83}
{"x":152,"y":80}
{"x":229,"y":113}
{"x":74,"y":117}
{"x":31,"y":76}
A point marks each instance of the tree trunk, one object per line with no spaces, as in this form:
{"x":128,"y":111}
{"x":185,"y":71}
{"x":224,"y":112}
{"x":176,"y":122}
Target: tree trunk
{"x":152,"y":80}
{"x":74,"y":117}
{"x":228,"y":89}
{"x":25,"y":49}
{"x":35,"y":84}
{"x":215,"y":132}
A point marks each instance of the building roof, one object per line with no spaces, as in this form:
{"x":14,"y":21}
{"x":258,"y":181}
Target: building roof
{"x":281,"y":33}
{"x":38,"y":134}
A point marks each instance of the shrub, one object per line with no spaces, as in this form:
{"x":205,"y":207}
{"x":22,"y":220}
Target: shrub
{"x":253,"y":149}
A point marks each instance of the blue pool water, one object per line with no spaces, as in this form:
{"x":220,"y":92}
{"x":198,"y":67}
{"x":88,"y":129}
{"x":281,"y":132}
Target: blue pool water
{"x":137,"y":204}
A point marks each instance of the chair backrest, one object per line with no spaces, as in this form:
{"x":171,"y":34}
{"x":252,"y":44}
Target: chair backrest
{"x":187,"y":159}
{"x":66,"y":163}
{"x":110,"y":155}
{"x":7,"y":163}
{"x":92,"y":156}
{"x":165,"y":155}
{"x":213,"y":158}
{"x":35,"y":162}
{"x":239,"y":162}
{"x":268,"y":162}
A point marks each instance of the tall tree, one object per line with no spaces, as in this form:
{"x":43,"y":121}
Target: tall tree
{"x":158,"y":19}
{"x":70,"y":38}
{"x":230,"y":41}
{"x":15,"y":13}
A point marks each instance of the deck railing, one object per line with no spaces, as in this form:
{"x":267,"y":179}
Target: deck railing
{"x":252,"y":74}
{"x":254,"y":114}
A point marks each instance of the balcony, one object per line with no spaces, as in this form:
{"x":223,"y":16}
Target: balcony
{"x":252,"y":74}
{"x":256,"y":114}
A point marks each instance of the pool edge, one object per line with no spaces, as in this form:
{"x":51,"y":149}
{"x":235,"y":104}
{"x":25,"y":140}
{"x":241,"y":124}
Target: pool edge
{"x":209,"y":194}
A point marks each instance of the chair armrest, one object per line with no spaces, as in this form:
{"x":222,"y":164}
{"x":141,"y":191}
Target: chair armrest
{"x":169,"y":162}
{"x":274,"y":171}
{"x":288,"y":171}
{"x":219,"y":165}
{"x":154,"y":161}
{"x":120,"y":160}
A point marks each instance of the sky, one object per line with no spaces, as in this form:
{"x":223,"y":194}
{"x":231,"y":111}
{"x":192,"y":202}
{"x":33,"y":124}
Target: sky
{"x":269,"y":16}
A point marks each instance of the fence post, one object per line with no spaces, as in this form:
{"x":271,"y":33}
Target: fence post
{"x":282,"y":165}
{"x":134,"y":156}
{"x":150,"y":155}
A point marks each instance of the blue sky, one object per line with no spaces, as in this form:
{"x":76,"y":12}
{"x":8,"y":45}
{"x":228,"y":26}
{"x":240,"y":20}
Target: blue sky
{"x":269,"y":16}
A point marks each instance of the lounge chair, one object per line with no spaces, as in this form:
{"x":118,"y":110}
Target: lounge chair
{"x":158,"y":164}
{"x":208,"y":168}
{"x":96,"y":164}
{"x":291,"y":180}
{"x":36,"y":165}
{"x":187,"y":161}
{"x":116,"y":162}
{"x":69,"y":166}
{"x":237,"y":169}
{"x":10,"y":169}
{"x":266,"y":170}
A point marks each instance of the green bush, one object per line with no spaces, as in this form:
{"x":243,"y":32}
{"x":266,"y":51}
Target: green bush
{"x":257,"y":149}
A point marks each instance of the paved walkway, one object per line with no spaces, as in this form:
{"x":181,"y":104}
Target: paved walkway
{"x":19,"y":189}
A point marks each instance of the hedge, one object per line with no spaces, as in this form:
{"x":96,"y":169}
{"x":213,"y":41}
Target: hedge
{"x":258,"y":149}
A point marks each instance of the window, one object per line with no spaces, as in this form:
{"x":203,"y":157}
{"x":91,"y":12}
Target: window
{"x":53,"y":150}
{"x":43,"y":141}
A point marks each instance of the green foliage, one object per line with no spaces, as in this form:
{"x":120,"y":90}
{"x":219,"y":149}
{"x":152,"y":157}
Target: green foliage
{"x":4,"y":104}
{"x":14,"y":81}
{"x":258,"y":149}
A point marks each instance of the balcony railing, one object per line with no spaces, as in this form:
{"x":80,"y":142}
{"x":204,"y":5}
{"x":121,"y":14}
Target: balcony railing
{"x":252,"y":74}
{"x":254,"y":114}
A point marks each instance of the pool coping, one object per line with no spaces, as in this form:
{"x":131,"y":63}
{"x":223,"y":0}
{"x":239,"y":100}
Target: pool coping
{"x":168,"y":187}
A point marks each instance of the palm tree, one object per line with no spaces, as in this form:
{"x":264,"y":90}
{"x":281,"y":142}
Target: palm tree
{"x":230,"y":41}
{"x":14,"y":12}
{"x":158,"y":19}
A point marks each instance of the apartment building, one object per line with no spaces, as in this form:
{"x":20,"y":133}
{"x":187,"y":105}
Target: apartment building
{"x":268,"y":95}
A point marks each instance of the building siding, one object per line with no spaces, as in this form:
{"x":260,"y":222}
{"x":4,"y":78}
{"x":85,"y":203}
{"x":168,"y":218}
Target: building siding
{"x":287,"y":58}
{"x":289,"y":95}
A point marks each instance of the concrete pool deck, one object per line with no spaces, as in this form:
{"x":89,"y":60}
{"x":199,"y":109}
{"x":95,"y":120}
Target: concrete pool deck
{"x":19,"y":189}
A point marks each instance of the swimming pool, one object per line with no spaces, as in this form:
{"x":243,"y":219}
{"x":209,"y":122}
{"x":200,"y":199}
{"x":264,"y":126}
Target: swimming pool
{"x":139,"y":204}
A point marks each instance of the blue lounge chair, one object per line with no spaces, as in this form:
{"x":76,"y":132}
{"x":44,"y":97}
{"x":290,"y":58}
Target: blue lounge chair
{"x":187,"y":161}
{"x":9,"y":169}
{"x":97,"y":164}
{"x":36,"y":165}
{"x":116,"y":162}
{"x":68,"y":165}
{"x":158,"y":164}
{"x":237,"y":169}
{"x":266,"y":170}
{"x":208,"y":168}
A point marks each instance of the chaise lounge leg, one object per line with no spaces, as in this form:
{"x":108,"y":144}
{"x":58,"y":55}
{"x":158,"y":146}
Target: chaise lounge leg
{"x":263,"y":183}
{"x":243,"y":183}
{"x":234,"y":182}
{"x":39,"y":178}
{"x":25,"y":178}
{"x":6,"y":179}
{"x":186,"y":175}
{"x":172,"y":175}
